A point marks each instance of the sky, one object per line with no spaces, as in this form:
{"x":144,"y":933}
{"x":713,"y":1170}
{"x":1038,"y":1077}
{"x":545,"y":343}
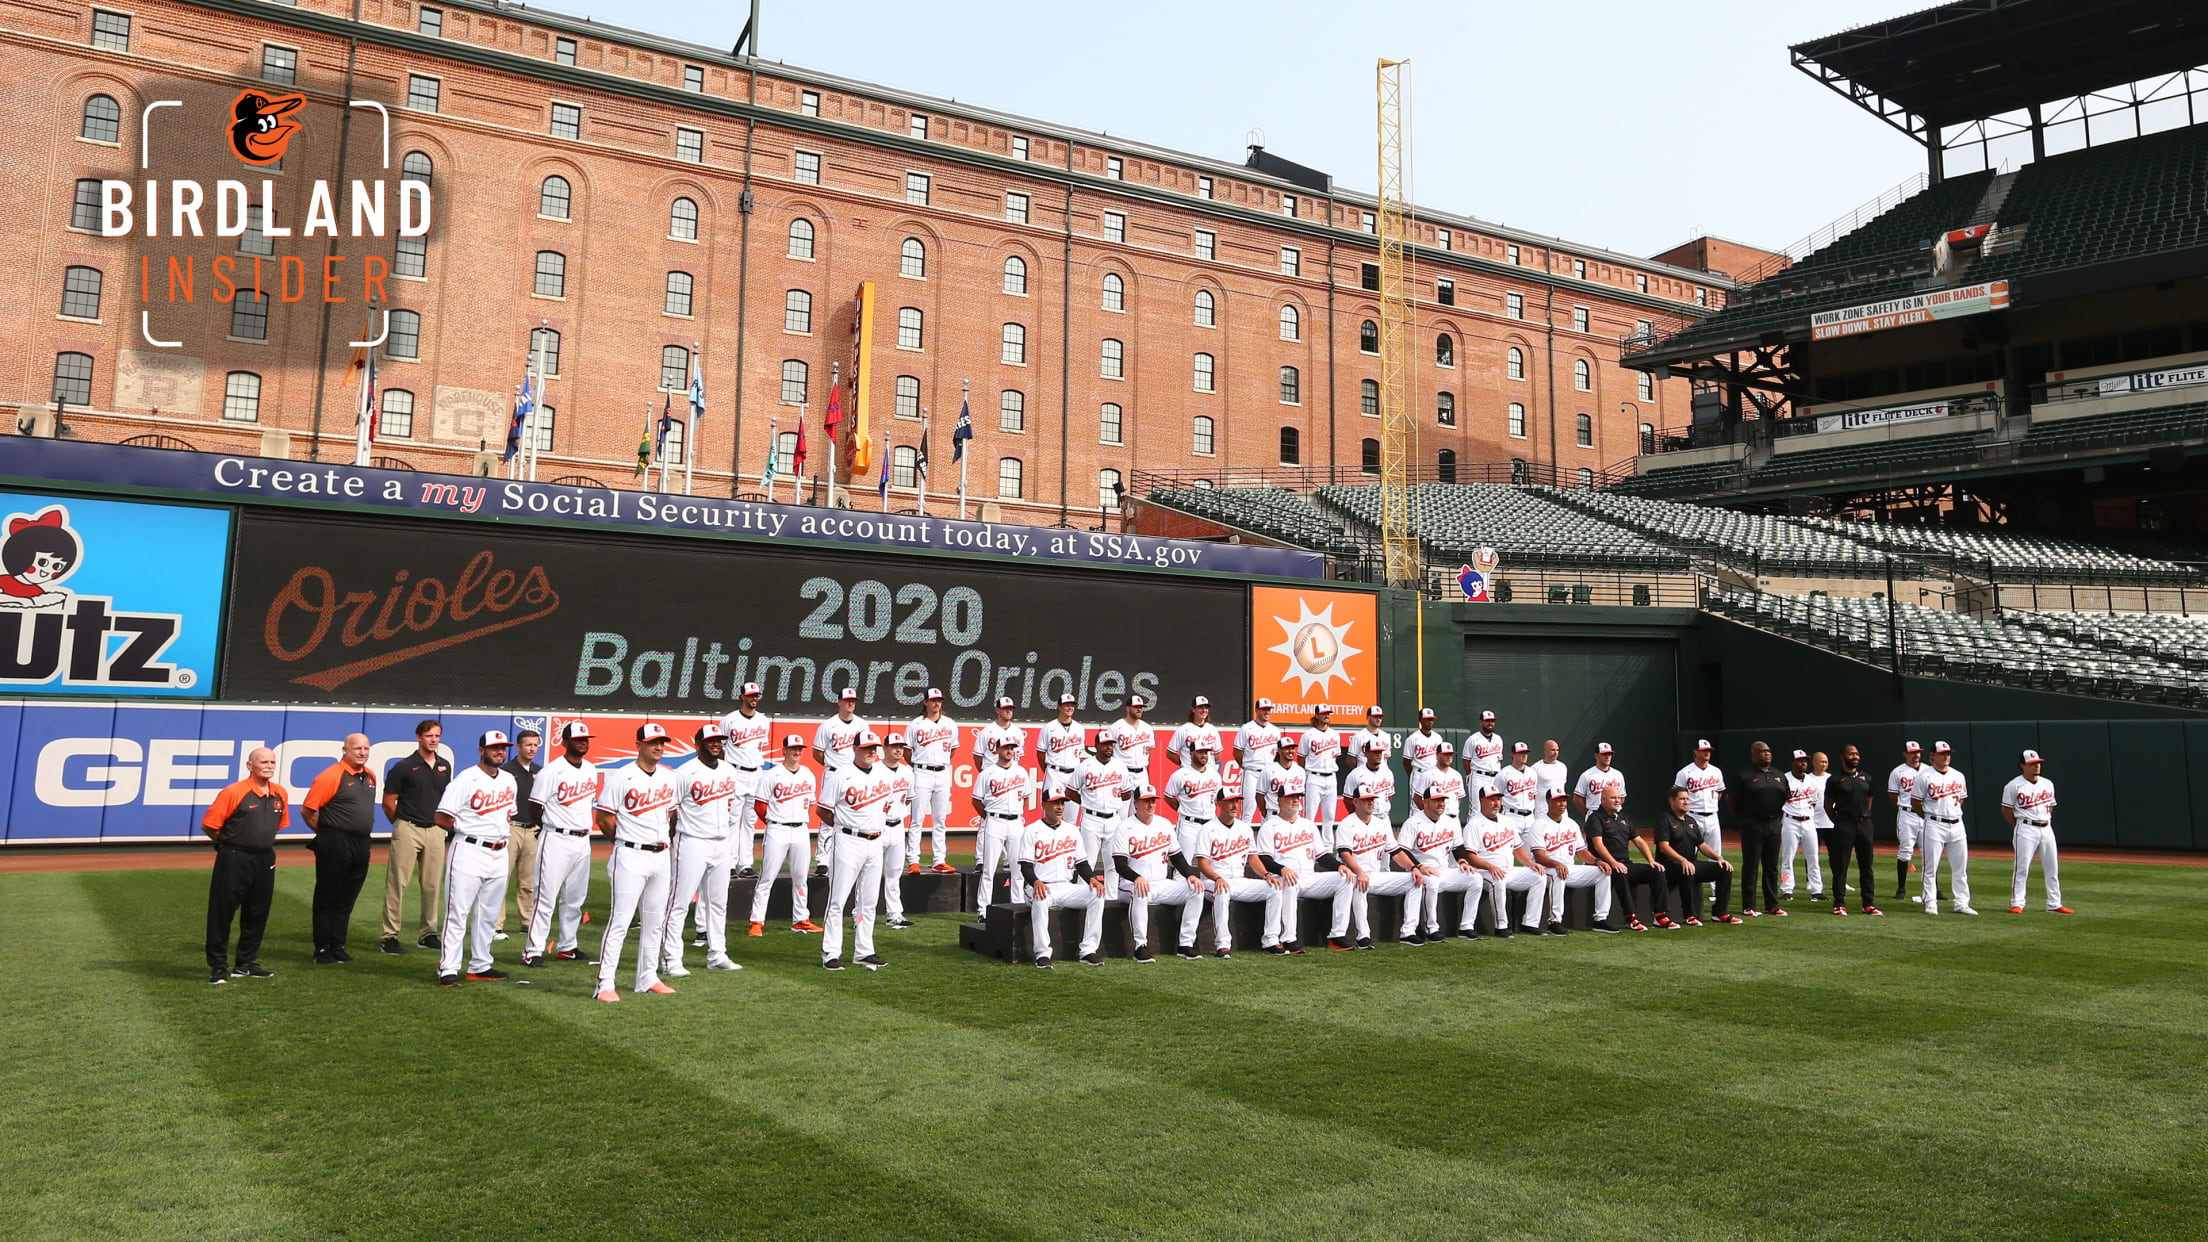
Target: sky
{"x":1633,"y":126}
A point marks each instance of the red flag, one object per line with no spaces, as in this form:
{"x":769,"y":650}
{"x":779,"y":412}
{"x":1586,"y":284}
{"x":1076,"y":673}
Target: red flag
{"x":797,"y":458}
{"x":835,"y":408}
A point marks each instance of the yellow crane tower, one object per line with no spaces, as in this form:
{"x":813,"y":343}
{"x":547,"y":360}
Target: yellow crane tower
{"x":1399,"y":523}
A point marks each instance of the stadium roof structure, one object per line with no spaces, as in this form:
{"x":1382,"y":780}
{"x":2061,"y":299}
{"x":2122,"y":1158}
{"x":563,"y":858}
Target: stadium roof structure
{"x":1975,"y":59}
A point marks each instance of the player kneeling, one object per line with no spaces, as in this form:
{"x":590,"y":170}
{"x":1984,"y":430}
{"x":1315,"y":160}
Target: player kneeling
{"x":1289,"y":846}
{"x":1152,"y":871}
{"x":1058,"y":876}
{"x":1366,"y":845}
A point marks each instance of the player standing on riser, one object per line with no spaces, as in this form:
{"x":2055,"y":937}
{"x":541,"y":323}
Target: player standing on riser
{"x":1061,"y":745}
{"x":1105,"y":788}
{"x":834,"y":743}
{"x":897,"y":757}
{"x":856,"y":805}
{"x":1002,"y":792}
{"x":1320,"y":748}
{"x":1256,"y":748}
{"x":750,"y":734}
{"x":933,"y":740}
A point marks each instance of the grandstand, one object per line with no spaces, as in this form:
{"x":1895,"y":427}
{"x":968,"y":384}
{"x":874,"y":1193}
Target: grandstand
{"x":2012,"y":556}
{"x":1273,"y":513}
{"x":1755,"y":542}
{"x":1522,"y":524}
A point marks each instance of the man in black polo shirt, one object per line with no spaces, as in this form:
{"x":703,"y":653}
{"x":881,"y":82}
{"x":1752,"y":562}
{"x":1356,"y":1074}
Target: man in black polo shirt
{"x":1683,"y":846}
{"x":1848,"y":800}
{"x":341,"y":808}
{"x":1758,"y":796}
{"x":412,"y":788}
{"x":521,"y":852}
{"x":1612,"y":840}
{"x":243,"y":824}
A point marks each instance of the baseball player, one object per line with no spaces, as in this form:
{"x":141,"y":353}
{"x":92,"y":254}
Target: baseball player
{"x":1146,"y":855}
{"x":1373,"y":779}
{"x":1438,"y":776}
{"x":1196,"y":730}
{"x":1105,"y":787}
{"x":1937,"y":797}
{"x":1421,"y":745}
{"x":1135,"y":738}
{"x":1611,"y":841}
{"x":749,"y":735}
{"x":1193,"y":791}
{"x":1506,"y":867}
{"x":1053,"y":871}
{"x":1597,"y":780}
{"x":1061,"y":745}
{"x":1284,"y":775}
{"x":783,"y":800}
{"x":2028,"y":803}
{"x":1550,"y":774}
{"x":1225,"y":851}
{"x":896,"y":756}
{"x":834,"y":743}
{"x":1320,"y":748}
{"x":1300,"y":866}
{"x":1848,"y":799}
{"x":476,"y":813}
{"x":1908,"y":825}
{"x":1484,"y":751}
{"x":1256,"y":748}
{"x":1442,"y":864}
{"x":1357,"y":743}
{"x":1560,"y":849}
{"x":564,"y":792}
{"x":1705,"y":786}
{"x":1520,"y":788}
{"x":1805,"y":800}
{"x":1366,"y":845}
{"x":636,"y":807}
{"x":933,"y":740}
{"x":997,"y":730}
{"x":1683,"y":845}
{"x":1001,"y":794}
{"x":706,"y":792}
{"x":857,"y":805}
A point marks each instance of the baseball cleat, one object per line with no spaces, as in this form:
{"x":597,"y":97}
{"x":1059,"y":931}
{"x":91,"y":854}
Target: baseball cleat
{"x":756,"y":929}
{"x":1504,"y":933}
{"x":532,"y":960}
{"x":820,"y":871}
{"x":1092,"y":959}
{"x":1752,"y":912}
{"x":251,"y":970}
{"x":1635,"y":924}
{"x":1817,"y":896}
{"x":1295,"y":947}
{"x":1364,"y":942}
{"x":218,"y":975}
{"x":676,"y":970}
{"x":944,"y":868}
{"x":1965,"y":910}
{"x":391,"y":946}
{"x":1776,"y":912}
{"x":805,"y":925}
{"x":609,"y":996}
{"x":1340,"y":942}
{"x":1414,"y":940}
{"x":568,"y":955}
{"x":1918,"y":898}
{"x":2016,"y":909}
{"x":487,"y":976}
{"x":1277,"y":950}
{"x":1143,"y":954}
{"x":748,"y":873}
{"x":1874,"y":911}
{"x":1042,"y":963}
{"x":2062,"y":910}
{"x":1466,"y":933}
{"x":900,"y":923}
{"x":1931,"y":907}
{"x":658,"y":989}
{"x":497,"y":934}
{"x":722,"y":963}
{"x":1694,"y":920}
{"x":1557,"y":929}
{"x":1222,"y":954}
{"x":1664,"y":921}
{"x":1729,"y":918}
{"x":698,"y":941}
{"x":448,"y":981}
{"x":872,"y":961}
{"x":1187,"y":951}
{"x":430,"y":941}
{"x":831,"y":963}
{"x":1603,"y":926}
{"x":1840,"y":910}
{"x":912,"y":868}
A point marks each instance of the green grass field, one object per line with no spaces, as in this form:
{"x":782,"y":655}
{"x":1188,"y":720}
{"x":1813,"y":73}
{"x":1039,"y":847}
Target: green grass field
{"x":1905,"y":1077}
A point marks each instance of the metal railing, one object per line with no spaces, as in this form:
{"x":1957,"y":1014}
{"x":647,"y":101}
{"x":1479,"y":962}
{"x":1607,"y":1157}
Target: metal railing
{"x":1585,"y":588}
{"x":1308,"y":479}
{"x":1834,"y":230}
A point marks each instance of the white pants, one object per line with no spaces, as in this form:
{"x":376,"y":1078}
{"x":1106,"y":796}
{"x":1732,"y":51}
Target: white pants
{"x":931,"y":798}
{"x":1908,"y":826}
{"x":1063,"y":777}
{"x":1321,"y":798}
{"x":563,"y":880}
{"x":744,"y":825}
{"x":2039,"y":839}
{"x":1384,"y":884}
{"x":475,"y":894}
{"x":639,"y":881}
{"x":1170,"y":891}
{"x":893,"y":872}
{"x":784,"y":845}
{"x":854,"y":885}
{"x":1799,"y":836}
{"x":1070,"y":895}
{"x":1284,"y":911}
{"x":1582,"y":875}
{"x":1253,"y":783}
{"x":1946,"y":839}
{"x":699,"y":867}
{"x":1223,"y":895}
{"x":993,"y":845}
{"x":1453,"y":879}
{"x":1532,"y":881}
{"x":1096,"y":829}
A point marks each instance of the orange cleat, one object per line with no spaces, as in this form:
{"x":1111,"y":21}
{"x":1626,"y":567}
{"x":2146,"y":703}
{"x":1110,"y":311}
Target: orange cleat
{"x":944,"y":868}
{"x":757,"y":929}
{"x":805,"y":925}
{"x":660,"y":989}
{"x":912,"y":868}
{"x":610,"y":996}
{"x":2016,"y":909}
{"x":2062,"y":910}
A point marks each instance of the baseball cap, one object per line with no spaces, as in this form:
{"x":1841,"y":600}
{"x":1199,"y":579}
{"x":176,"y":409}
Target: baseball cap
{"x":1912,"y":748}
{"x":1322,"y":709}
{"x":1148,"y":790}
{"x":793,"y":739}
{"x":849,"y":692}
{"x":650,"y":732}
{"x":1005,"y":701}
{"x":1445,"y":749}
{"x":1521,"y":748}
{"x":1702,"y":743}
{"x":1801,"y":754}
{"x":1425,"y":713}
{"x":1942,"y":748}
{"x":492,"y":737}
{"x":708,"y":732}
{"x":1200,"y":701}
{"x":1138,"y":701}
{"x":1012,"y":742}
{"x":1204,"y":745}
{"x":867,"y":738}
{"x":1104,"y":737}
{"x":2029,"y":756}
{"x":1067,"y":700}
{"x":1376,"y":710}
{"x":933,"y":693}
{"x":574,"y":729}
{"x":1487,"y":715}
{"x":1374,"y":747}
{"x":896,"y":739}
{"x":1556,"y":793}
{"x":1054,"y":792}
{"x":750,"y":687}
{"x":1603,"y":748}
{"x":1264,"y":705}
{"x":1487,"y":789}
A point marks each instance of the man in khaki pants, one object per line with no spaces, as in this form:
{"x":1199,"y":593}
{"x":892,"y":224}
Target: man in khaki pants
{"x":411,"y":790}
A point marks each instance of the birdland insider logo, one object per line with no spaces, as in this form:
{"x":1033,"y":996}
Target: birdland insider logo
{"x":49,"y":631}
{"x":1308,"y":647}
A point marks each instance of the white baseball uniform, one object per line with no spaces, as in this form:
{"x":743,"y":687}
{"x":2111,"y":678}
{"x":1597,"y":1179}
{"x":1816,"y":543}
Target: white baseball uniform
{"x":637,"y":872}
{"x":1942,"y":794}
{"x":1805,"y":805}
{"x":564,"y":793}
{"x":1182,"y":746}
{"x":783,"y":800}
{"x":1518,"y":787}
{"x":893,"y":843}
{"x":1562,"y":840}
{"x":1256,"y":746}
{"x":1143,"y":849}
{"x":1194,"y":793}
{"x":1132,"y":742}
{"x":1375,"y":783}
{"x":1321,"y":751}
{"x":1596,"y":781}
{"x":1494,"y":842}
{"x":1228,"y":846}
{"x":1434,"y":843}
{"x":863,"y":801}
{"x":1004,"y":791}
{"x":835,"y":744}
{"x":749,"y":746}
{"x":1060,"y":748}
{"x":1369,"y":841}
{"x":1421,"y":750}
{"x":986,"y":739}
{"x":482,"y":808}
{"x":1287,"y":778}
{"x":1705,"y":785}
{"x":2033,"y":803}
{"x":703,"y":855}
{"x":1104,"y":789}
{"x":1448,"y":782}
{"x":1908,"y":825}
{"x":933,"y":742}
{"x":1484,"y":752}
{"x":1294,"y":846}
{"x":1052,"y":852}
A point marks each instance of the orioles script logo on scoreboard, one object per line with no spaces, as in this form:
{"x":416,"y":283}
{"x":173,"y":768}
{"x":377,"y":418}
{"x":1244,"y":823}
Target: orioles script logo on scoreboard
{"x":1312,"y":647}
{"x":374,"y":625}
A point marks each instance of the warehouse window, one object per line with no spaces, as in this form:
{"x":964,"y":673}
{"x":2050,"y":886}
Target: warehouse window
{"x":795,"y":378}
{"x":909,"y":324}
{"x":80,"y":292}
{"x":808,"y":103}
{"x":1115,"y":292}
{"x":430,"y":22}
{"x":1582,"y":375}
{"x":1114,"y":359}
{"x":693,"y":79}
{"x":102,"y":120}
{"x":916,"y":189}
{"x":1012,"y":410}
{"x":801,"y":239}
{"x":396,"y":419}
{"x":1107,"y":490}
{"x":421,"y":93}
{"x":544,"y":345}
{"x":84,"y":213}
{"x":1445,"y":291}
{"x":912,"y":259}
{"x":682,"y":220}
{"x":1586,"y":426}
{"x":567,"y":121}
{"x":690,"y":145}
{"x":1291,"y":261}
{"x":1579,"y":319}
{"x":1291,"y":324}
{"x":1445,"y":465}
{"x":1368,"y":456}
{"x":1008,"y":478}
{"x":73,"y":379}
{"x":1514,"y":363}
{"x":674,"y":368}
{"x":917,"y":126}
{"x":1014,"y":345}
{"x":1517,"y":423}
{"x":1015,"y":208}
{"x":411,"y":257}
{"x":551,"y":274}
{"x":1207,"y":244}
{"x":805,"y":165}
{"x":404,"y":339}
{"x":249,"y":316}
{"x":908,"y":396}
{"x":241,"y":398}
{"x":1201,"y":440}
{"x":1206,"y":308}
{"x":417,"y":167}
{"x":1647,"y":386}
{"x":1368,"y":398}
{"x":904,"y":466}
{"x":554,"y":197}
{"x":1445,"y":408}
{"x":1108,"y":424}
{"x":1291,"y":446}
{"x":1514,"y":305}
{"x":1015,"y":275}
{"x":1445,"y":351}
{"x":563,"y":52}
{"x":1115,"y":227}
{"x":1291,"y":387}
{"x":1019,"y":147}
{"x":1205,"y":378}
{"x":1368,"y":337}
{"x":679,"y":289}
{"x":110,"y":31}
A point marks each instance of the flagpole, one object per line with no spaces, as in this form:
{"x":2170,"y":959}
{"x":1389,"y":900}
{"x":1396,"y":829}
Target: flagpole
{"x":885,"y":472}
{"x":963,"y":396}
{"x":835,"y":377}
{"x":690,"y":441}
{"x":766,"y":479}
{"x":360,"y":419}
{"x":923,"y":462}
{"x":536,"y":400}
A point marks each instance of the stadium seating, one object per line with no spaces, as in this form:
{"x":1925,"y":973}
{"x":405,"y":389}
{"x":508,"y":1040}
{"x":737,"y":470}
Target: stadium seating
{"x":1271,"y":512}
{"x":2096,"y":431}
{"x":2140,"y":196}
{"x":1699,"y":479}
{"x":1523,"y":527}
{"x":2171,"y":637}
{"x":1880,"y":455}
{"x":1765,"y":543}
{"x":2016,"y":556}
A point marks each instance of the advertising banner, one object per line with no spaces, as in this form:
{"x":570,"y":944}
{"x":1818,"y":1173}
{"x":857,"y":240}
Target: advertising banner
{"x":109,"y":597}
{"x":331,"y":610}
{"x":1852,"y":419}
{"x":1312,"y":647}
{"x":1915,"y":309}
{"x":2149,"y":381}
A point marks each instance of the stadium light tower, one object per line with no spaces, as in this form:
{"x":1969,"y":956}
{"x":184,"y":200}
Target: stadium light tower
{"x":1398,"y":423}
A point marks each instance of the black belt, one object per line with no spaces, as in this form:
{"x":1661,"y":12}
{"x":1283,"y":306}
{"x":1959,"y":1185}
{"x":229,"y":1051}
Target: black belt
{"x":1100,"y":814}
{"x":2034,"y":823}
{"x":893,"y":823}
{"x":572,"y":832}
{"x":1055,"y":768}
{"x":486,"y":842}
{"x":647,"y":847}
{"x":1799,"y":819}
{"x":790,"y":823}
{"x":932,"y":767}
{"x":1944,"y":819}
{"x":741,"y":768}
{"x":1197,"y":819}
{"x":1001,"y":815}
{"x":863,"y":836}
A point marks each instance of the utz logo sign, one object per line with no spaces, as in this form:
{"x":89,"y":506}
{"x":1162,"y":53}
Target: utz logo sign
{"x":106,"y":597}
{"x":1476,"y":579}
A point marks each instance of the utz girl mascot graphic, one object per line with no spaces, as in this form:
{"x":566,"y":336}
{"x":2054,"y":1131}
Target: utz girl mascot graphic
{"x":1475,"y":578}
{"x":37,"y":553}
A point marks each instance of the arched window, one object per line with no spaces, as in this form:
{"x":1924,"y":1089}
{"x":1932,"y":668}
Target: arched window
{"x":1647,"y":386}
{"x":103,"y":119}
{"x":1368,"y":398}
{"x":416,"y":167}
{"x":679,"y":289}
{"x":670,"y":442}
{"x":795,"y":376}
{"x":73,"y":379}
{"x":1518,"y":471}
{"x":1445,"y":351}
{"x":674,"y":368}
{"x":80,"y":292}
{"x":909,"y":325}
{"x":1445,"y":408}
{"x":1015,"y":275}
{"x":544,"y":345}
{"x":1291,"y":324}
{"x":912,"y":260}
{"x":904,"y":466}
{"x":1648,"y":438}
{"x":682,"y":220}
{"x":1586,"y":424}
{"x":1009,"y":481}
{"x":1115,"y":292}
{"x":1582,"y":375}
{"x":1291,"y":446}
{"x":1445,"y":465}
{"x":1201,"y":442}
{"x":551,"y":274}
{"x":797,"y":311}
{"x":1291,"y":387}
{"x":908,"y":396}
{"x":1108,"y":425}
{"x":1368,"y":337}
{"x":405,"y":337}
{"x":1114,"y":359}
{"x":1206,"y":375}
{"x":1107,"y":490}
{"x":1517,"y":423}
{"x":396,"y":420}
{"x":553,"y":198}
{"x":1015,"y":344}
{"x":801,"y":238}
{"x":1206,"y":310}
{"x":241,"y":398}
{"x":1368,"y":456}
{"x":1586,"y":478}
{"x":1514,"y":363}
{"x":1011,"y":410}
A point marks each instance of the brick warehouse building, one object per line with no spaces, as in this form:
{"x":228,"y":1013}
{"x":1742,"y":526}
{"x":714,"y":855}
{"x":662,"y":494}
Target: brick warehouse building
{"x":1114,"y":306}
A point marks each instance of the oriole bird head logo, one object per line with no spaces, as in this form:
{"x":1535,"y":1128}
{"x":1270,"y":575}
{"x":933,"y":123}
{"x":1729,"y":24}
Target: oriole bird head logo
{"x":259,"y":129}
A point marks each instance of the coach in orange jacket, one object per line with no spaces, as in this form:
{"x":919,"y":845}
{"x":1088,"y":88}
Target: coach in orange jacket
{"x":243,"y":824}
{"x":341,"y":808}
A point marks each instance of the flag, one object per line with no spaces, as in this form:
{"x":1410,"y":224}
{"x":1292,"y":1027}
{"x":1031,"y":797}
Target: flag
{"x":774,"y":452}
{"x":368,"y":405}
{"x":697,"y":391}
{"x":835,"y":409}
{"x":522,"y":405}
{"x":883,"y":488}
{"x":797,"y":455}
{"x":644,"y":444}
{"x":666,"y":424}
{"x":353,"y":368}
{"x":920,"y":458}
{"x":965,"y":430}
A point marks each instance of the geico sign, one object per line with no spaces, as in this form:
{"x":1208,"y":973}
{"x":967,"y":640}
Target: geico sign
{"x":179,"y":771}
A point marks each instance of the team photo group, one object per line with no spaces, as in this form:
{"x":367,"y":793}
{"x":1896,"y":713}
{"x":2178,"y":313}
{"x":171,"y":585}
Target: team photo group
{"x":1260,"y":815}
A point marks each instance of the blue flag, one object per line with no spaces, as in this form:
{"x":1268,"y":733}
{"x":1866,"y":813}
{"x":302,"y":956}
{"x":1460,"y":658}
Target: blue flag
{"x":522,"y":407}
{"x":697,"y":392}
{"x":666,"y":423}
{"x":964,"y":433}
{"x":883,"y":489}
